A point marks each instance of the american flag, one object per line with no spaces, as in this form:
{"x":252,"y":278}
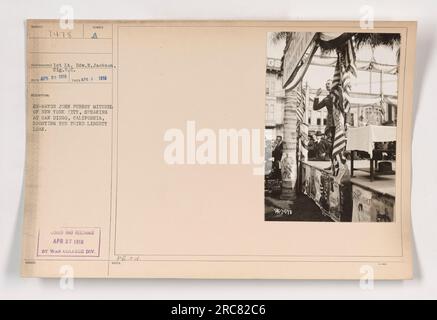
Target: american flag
{"x":339,"y":143}
{"x":344,"y":70}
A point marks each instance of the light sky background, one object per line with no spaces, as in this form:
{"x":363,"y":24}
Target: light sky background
{"x":316,"y":76}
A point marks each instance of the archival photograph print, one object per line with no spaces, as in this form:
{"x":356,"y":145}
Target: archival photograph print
{"x":330,"y":126}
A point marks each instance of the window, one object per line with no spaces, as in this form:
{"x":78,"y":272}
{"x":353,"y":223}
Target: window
{"x":270,"y":112}
{"x":319,"y":121}
{"x":324,"y":122}
{"x":272,"y":86}
{"x":309,"y":120}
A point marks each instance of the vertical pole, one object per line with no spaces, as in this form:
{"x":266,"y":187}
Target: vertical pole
{"x":380,"y":84}
{"x":381,"y":92}
{"x":370,"y":80}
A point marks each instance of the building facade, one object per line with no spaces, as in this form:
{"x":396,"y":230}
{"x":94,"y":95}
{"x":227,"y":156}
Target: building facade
{"x":275,"y":100}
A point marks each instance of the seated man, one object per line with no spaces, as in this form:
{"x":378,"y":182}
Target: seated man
{"x":311,"y":148}
{"x":320,"y":147}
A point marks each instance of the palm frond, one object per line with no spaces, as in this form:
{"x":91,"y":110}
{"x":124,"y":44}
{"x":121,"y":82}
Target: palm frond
{"x":367,"y":39}
{"x":377,"y":39}
{"x":279,"y":36}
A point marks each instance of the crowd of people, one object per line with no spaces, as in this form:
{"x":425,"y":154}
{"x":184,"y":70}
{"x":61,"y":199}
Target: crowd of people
{"x":319,"y":147}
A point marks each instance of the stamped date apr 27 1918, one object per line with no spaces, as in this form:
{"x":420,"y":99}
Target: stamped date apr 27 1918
{"x":69,"y":242}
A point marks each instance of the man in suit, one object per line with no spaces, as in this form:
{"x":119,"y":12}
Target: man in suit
{"x":277,"y":156}
{"x":321,"y":147}
{"x":311,"y":148}
{"x":327,"y":103}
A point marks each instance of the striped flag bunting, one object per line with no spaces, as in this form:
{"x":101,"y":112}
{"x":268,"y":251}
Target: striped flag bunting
{"x":300,"y":109}
{"x":345,"y":69}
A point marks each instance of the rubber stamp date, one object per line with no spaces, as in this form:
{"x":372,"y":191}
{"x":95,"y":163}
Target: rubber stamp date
{"x":69,"y":242}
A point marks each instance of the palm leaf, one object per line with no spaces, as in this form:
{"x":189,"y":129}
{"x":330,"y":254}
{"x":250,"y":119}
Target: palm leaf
{"x":279,"y":36}
{"x":367,"y":39}
{"x":377,"y":39}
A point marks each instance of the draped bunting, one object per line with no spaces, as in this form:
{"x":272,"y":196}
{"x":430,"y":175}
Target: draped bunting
{"x":339,"y":139}
{"x":345,"y":68}
{"x":333,"y":40}
{"x":302,"y":68}
{"x":329,"y":36}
